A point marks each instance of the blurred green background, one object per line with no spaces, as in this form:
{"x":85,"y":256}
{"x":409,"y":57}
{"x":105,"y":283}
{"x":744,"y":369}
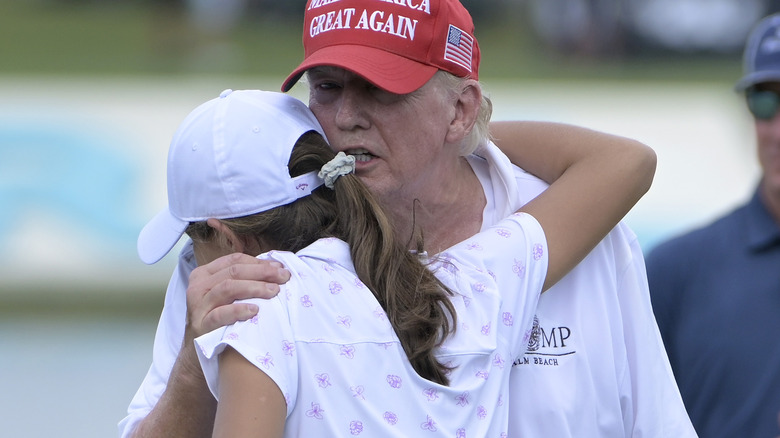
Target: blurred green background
{"x":92,"y":90}
{"x":112,"y":37}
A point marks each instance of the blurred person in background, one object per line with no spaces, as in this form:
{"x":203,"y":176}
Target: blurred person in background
{"x":595,"y":364}
{"x":716,"y":290}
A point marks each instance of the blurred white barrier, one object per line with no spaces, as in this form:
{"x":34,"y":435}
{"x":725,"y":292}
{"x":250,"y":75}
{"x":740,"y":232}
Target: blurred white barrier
{"x":82,"y":167}
{"x":82,"y":162}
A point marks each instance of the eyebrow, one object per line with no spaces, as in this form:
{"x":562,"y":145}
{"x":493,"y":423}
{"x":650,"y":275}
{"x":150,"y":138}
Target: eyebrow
{"x":321,"y":69}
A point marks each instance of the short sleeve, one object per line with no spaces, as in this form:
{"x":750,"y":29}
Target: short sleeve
{"x":266,"y":341}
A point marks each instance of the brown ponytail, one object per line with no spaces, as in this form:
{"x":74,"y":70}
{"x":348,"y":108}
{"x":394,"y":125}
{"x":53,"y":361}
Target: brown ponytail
{"x":416,"y":302}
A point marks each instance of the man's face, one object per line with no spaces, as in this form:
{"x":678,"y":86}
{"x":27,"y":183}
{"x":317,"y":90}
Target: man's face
{"x":398,"y":140}
{"x":768,"y":139}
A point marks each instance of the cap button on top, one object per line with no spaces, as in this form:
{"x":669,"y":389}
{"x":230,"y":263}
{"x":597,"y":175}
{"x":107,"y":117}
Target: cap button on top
{"x":225,"y":93}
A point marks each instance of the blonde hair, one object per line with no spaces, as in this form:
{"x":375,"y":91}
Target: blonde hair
{"x":480,"y":134}
{"x":416,"y":302}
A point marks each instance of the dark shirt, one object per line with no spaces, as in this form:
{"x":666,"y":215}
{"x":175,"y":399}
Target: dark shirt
{"x":716,"y":297}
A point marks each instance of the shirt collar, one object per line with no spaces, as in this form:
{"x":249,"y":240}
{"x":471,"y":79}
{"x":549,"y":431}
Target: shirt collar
{"x":329,"y":249}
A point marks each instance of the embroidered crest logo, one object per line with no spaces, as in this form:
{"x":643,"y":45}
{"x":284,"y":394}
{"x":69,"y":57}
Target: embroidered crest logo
{"x":536,"y":336}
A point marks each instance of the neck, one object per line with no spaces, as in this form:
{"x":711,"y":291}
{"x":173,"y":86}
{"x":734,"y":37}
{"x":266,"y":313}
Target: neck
{"x":447,"y":214}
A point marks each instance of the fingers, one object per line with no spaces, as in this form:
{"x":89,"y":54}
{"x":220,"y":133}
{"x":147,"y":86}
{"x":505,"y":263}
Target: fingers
{"x":215,"y":287}
{"x":270,"y":271}
{"x":227,"y":314}
{"x":239,"y":276}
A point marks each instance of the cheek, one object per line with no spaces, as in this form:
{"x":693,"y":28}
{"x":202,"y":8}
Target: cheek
{"x":768,"y":130}
{"x":764,"y":137}
{"x":768,"y":152}
{"x":318,"y":110}
{"x":324,"y":116}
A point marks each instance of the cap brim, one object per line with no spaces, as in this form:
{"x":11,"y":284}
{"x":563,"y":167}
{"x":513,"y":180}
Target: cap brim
{"x":386,"y":70}
{"x":756,"y":78}
{"x":159,"y":236}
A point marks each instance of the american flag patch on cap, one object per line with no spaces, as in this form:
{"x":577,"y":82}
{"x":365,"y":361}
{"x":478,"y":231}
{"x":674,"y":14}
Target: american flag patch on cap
{"x":459,"y":47}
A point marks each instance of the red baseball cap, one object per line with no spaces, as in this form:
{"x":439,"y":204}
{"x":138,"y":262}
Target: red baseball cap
{"x":397,"y":45}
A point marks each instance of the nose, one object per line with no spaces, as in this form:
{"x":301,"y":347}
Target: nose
{"x":352,"y":110}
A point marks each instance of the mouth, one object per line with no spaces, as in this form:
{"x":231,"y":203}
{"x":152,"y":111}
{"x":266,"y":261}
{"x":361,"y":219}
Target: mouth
{"x":361,"y":155}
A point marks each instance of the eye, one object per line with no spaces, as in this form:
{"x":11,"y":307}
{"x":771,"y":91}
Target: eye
{"x":320,"y":80}
{"x":323,"y":90}
{"x":327,"y":85}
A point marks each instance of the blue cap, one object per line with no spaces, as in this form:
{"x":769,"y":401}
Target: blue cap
{"x":761,"y":60}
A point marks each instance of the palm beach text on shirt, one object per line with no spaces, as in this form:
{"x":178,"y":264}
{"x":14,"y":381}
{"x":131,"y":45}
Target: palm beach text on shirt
{"x":547,"y":350}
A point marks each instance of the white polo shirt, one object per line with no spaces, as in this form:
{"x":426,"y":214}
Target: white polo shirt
{"x":327,"y":344}
{"x":595,"y":365}
{"x":595,"y":362}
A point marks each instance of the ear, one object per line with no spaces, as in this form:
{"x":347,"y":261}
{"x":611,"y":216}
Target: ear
{"x":226,"y":235}
{"x":467,"y":105}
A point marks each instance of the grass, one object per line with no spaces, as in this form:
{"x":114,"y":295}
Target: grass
{"x":122,"y":39}
{"x":82,"y":37}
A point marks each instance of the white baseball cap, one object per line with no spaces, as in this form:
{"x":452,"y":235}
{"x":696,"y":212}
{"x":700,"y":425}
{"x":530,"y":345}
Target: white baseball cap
{"x":229,"y":159}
